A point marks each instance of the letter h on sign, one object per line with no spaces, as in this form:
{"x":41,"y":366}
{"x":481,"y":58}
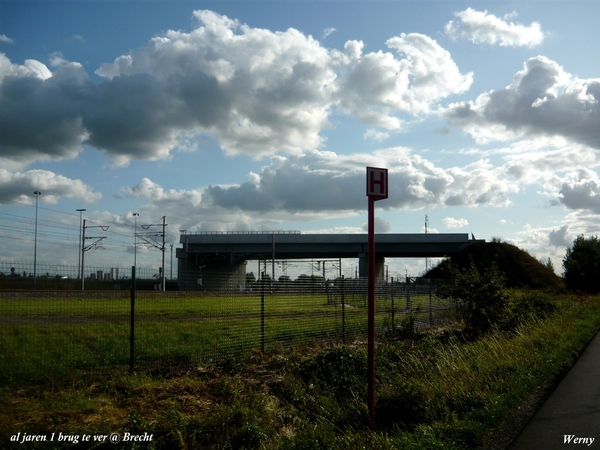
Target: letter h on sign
{"x":377,"y":183}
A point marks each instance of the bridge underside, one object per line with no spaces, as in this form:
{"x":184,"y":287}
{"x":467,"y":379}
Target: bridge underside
{"x":206,"y":257}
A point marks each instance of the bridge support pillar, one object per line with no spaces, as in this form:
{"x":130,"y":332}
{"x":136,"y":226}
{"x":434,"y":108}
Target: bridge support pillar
{"x":211,"y":276}
{"x":363,"y":266}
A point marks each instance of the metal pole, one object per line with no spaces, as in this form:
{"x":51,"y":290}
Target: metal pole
{"x":371,"y":314}
{"x":171,"y":261}
{"x":82,"y":255}
{"x":343,"y":312}
{"x":132,"y":321}
{"x":164,"y":236}
{"x":79,"y":254}
{"x":262,"y":312}
{"x":135,"y":216}
{"x":37,"y":196}
{"x":392,"y":295}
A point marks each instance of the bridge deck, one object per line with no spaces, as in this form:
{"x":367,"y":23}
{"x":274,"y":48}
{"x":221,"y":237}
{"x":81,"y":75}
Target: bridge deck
{"x":305,"y":246}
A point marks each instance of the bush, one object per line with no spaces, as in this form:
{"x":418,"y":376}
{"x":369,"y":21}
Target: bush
{"x":480,"y":295}
{"x":530,"y":306}
{"x":581,"y":265}
{"x":341,"y":369}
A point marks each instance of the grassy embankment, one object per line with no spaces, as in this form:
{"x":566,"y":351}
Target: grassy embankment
{"x":433,"y":391}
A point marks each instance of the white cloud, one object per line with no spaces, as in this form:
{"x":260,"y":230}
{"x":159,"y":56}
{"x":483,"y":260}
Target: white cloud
{"x":483,"y":28}
{"x":376,"y":135}
{"x":255,"y":91}
{"x":455,"y":223}
{"x":381,"y":226}
{"x":542,"y":101}
{"x":155,"y":193}
{"x":6,"y":39}
{"x":580,"y":189}
{"x":20,"y":186}
{"x":378,"y":84}
{"x":328,"y":32}
{"x":324,"y":181}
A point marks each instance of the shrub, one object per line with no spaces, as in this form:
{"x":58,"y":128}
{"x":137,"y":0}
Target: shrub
{"x":530,"y":306}
{"x":341,"y":369}
{"x":480,"y":295}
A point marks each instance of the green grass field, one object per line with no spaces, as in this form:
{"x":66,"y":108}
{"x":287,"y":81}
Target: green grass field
{"x":59,"y":334}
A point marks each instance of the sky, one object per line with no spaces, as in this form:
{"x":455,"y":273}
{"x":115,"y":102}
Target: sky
{"x":262,"y":115}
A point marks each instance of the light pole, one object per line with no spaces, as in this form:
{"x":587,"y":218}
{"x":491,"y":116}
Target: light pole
{"x":80,"y":228}
{"x":135,"y":215}
{"x":37,"y":196}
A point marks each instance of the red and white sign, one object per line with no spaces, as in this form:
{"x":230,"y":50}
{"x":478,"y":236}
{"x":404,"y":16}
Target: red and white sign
{"x":377,"y":183}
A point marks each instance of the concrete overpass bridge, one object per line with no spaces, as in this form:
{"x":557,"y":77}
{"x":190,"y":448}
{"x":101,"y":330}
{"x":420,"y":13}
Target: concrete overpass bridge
{"x":219,"y":258}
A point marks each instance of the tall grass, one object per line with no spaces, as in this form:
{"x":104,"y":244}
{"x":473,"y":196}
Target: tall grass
{"x":435,"y":391}
{"x":57,"y":334}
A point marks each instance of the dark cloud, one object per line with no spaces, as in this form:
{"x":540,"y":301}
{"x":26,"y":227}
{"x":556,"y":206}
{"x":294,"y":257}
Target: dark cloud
{"x":559,"y":238}
{"x":42,"y":118}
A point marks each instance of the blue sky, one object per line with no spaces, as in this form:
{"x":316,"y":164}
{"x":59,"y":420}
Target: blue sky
{"x":251,"y":115}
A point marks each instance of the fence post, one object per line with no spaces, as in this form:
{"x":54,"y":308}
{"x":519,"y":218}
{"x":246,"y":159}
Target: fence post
{"x":262,"y":312}
{"x":132,"y":321}
{"x":430,"y":307}
{"x":343,"y":313}
{"x":393,"y":310}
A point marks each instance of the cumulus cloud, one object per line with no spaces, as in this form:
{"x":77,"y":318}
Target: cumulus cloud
{"x":6,"y":39}
{"x":323,"y":185}
{"x":381,"y":226}
{"x":324,"y":181}
{"x":483,"y":28}
{"x":542,"y":101}
{"x":40,"y":111}
{"x":148,"y":190}
{"x":256,"y":91}
{"x":560,"y":238}
{"x":20,"y":186}
{"x":454,"y":223}
{"x":379,"y":84}
{"x":580,"y":189}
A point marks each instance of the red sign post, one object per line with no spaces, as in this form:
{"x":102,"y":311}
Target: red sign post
{"x":377,"y":189}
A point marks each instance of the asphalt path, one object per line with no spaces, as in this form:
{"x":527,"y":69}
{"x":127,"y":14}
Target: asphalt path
{"x":570,"y":417}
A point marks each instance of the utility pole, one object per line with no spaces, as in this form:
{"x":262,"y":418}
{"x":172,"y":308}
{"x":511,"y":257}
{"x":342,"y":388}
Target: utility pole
{"x":149,"y":239}
{"x":164,"y":237}
{"x":171,"y":261}
{"x":93,"y":245}
{"x":37,"y":196}
{"x":80,"y":230}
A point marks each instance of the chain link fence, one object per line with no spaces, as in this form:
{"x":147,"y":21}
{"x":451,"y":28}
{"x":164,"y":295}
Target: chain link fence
{"x":56,"y":331}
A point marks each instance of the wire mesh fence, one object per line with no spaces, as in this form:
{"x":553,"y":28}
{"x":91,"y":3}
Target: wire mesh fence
{"x":56,"y":331}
